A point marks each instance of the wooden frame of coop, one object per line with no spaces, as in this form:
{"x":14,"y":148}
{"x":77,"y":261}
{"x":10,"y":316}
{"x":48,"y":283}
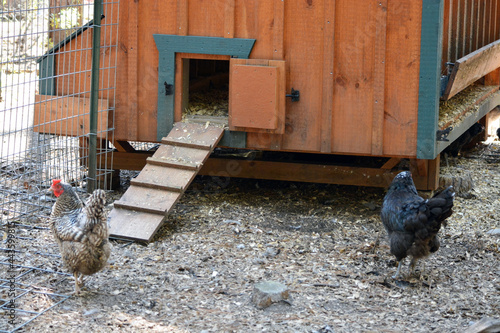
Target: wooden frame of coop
{"x":350,"y":87}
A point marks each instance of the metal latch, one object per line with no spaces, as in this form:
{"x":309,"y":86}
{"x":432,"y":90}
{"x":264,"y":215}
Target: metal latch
{"x":169,"y":88}
{"x":295,"y":95}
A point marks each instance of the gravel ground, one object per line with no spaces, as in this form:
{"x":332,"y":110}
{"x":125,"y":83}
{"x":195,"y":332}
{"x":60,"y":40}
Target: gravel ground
{"x":325,"y":242}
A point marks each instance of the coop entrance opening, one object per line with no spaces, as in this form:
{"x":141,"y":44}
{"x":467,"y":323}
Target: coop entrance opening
{"x":205,"y":90}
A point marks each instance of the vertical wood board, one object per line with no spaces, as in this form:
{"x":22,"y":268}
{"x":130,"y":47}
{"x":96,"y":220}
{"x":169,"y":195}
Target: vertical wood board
{"x":379,"y":79}
{"x":206,"y":18}
{"x":255,"y":19}
{"x":328,"y":71}
{"x":229,"y":18}
{"x":304,"y":37}
{"x":356,"y":32}
{"x":404,"y":20}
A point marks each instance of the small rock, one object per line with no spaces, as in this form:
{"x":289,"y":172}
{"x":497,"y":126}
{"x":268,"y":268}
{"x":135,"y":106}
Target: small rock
{"x":232,"y":222}
{"x":271,"y":252}
{"x":494,"y":232}
{"x":91,"y":312}
{"x":269,"y":292}
{"x":240,"y":246}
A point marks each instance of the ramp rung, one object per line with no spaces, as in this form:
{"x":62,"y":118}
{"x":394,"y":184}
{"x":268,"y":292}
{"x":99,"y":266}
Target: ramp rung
{"x":150,"y":210}
{"x":135,"y":225}
{"x":187,"y":144}
{"x":172,"y":163}
{"x":172,"y":188}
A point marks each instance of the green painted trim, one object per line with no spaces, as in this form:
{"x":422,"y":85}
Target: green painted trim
{"x":46,"y":68}
{"x":430,"y":78}
{"x":233,"y":139}
{"x":46,"y":80}
{"x":67,"y":39}
{"x":168,"y":46}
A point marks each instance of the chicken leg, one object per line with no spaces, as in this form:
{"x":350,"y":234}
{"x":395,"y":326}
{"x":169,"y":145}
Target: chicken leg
{"x":78,"y":282}
{"x":398,"y":270}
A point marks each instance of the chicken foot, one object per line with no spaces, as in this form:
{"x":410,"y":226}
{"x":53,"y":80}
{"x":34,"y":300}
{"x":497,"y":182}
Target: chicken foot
{"x":398,"y":270}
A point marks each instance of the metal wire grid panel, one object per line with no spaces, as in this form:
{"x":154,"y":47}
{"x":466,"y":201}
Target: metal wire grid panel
{"x":45,"y":90}
{"x":27,"y":291}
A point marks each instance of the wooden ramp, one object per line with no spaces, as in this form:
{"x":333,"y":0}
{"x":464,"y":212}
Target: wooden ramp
{"x":154,"y":192}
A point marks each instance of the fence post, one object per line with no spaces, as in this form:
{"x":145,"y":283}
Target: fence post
{"x":94,"y":94}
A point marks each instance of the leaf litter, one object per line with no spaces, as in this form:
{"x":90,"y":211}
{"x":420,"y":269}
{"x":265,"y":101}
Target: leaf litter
{"x":324,"y":242}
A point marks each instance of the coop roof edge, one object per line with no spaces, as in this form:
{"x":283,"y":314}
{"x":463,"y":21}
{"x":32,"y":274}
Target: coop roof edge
{"x":68,"y":39}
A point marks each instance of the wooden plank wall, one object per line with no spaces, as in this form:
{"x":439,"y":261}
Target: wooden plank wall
{"x":402,"y":77}
{"x":68,"y":115}
{"x":73,"y":61}
{"x":359,"y":75}
{"x":468,"y":26}
{"x":375,"y":96}
{"x":355,"y":62}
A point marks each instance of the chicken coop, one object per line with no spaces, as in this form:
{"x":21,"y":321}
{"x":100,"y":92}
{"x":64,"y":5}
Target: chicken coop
{"x":306,"y":90}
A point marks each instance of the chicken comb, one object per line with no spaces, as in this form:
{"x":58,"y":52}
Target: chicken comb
{"x":55,"y":182}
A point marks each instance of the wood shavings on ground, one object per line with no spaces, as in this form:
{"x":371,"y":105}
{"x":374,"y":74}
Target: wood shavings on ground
{"x":324,"y":242}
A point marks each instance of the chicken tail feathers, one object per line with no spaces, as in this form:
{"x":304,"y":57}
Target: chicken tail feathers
{"x":441,"y":204}
{"x":430,"y":214}
{"x":95,"y":205}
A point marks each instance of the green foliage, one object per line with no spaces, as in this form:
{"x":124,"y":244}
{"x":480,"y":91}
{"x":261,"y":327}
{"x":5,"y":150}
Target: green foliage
{"x":66,"y":19}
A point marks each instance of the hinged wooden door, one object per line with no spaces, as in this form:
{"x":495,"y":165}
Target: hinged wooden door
{"x":257,"y":95}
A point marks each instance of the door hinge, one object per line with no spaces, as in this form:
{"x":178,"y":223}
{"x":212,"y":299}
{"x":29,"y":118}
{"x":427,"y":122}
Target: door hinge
{"x":442,"y":135}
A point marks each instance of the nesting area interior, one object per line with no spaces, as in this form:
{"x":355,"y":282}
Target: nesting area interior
{"x":205,"y":91}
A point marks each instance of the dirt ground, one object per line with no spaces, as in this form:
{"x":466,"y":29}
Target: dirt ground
{"x":325,"y":242}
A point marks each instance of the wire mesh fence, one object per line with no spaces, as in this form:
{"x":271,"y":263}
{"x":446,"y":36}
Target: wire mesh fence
{"x":45,"y":90}
{"x":45,"y":104}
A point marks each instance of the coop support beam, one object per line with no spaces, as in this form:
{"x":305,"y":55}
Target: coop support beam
{"x":168,"y":46}
{"x":94,"y":95}
{"x":222,"y":169}
{"x":430,"y":83}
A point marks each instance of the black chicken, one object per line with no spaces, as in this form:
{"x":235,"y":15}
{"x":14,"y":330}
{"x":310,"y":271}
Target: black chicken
{"x":454,"y":148}
{"x":412,"y":222}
